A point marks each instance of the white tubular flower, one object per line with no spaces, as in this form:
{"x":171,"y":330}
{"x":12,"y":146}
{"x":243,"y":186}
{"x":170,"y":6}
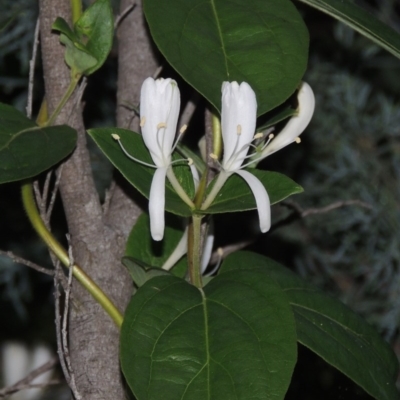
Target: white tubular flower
{"x":296,"y":125}
{"x":238,"y":123}
{"x":159,"y":111}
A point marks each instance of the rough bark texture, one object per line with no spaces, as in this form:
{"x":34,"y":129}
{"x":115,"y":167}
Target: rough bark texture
{"x":98,"y":241}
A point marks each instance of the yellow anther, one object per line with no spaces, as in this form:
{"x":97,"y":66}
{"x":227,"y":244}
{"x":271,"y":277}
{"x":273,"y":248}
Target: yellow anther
{"x":213,"y":156}
{"x":297,"y":140}
{"x":220,"y":251}
{"x":239,"y":129}
{"x":115,"y":136}
{"x":271,"y":136}
{"x":161,"y":125}
{"x":190,"y":161}
{"x":183,"y":129}
{"x":258,"y":135}
{"x":142,"y":122}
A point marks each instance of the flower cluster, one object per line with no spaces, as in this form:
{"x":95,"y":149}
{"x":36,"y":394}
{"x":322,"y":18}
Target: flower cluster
{"x":159,"y":110}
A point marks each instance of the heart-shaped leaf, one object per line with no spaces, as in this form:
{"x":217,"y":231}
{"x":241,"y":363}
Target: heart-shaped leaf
{"x":236,"y":195}
{"x":235,"y":339}
{"x":27,"y":150}
{"x":329,"y":328}
{"x":138,"y":175}
{"x":262,"y":42}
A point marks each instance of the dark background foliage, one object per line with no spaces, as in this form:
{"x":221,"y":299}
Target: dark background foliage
{"x":351,"y":151}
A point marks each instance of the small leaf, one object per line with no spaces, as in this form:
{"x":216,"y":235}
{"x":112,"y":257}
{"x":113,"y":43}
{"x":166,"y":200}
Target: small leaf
{"x":236,"y":195}
{"x":141,"y":246}
{"x":96,"y":27}
{"x":330,"y":329}
{"x":262,"y":42}
{"x":141,"y":274}
{"x":235,"y":339}
{"x":27,"y":150}
{"x":139,"y":175}
{"x":360,"y":20}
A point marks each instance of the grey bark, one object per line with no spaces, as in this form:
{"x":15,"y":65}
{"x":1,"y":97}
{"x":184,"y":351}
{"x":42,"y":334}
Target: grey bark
{"x":97,"y":240}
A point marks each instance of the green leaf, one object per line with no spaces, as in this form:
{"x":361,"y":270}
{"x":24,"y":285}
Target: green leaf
{"x":236,"y":195}
{"x":27,"y":150}
{"x":96,"y":27}
{"x":361,"y":21}
{"x":262,"y":42}
{"x":139,"y":175}
{"x":141,"y":273}
{"x":142,"y":247}
{"x":330,"y":329}
{"x":235,"y":339}
{"x":89,"y":43}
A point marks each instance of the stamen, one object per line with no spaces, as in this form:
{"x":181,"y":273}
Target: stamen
{"x":270,"y":137}
{"x":258,"y":136}
{"x":161,"y":125}
{"x":142,"y":121}
{"x":239,"y":129}
{"x":190,"y":161}
{"x":183,"y":129}
{"x":213,"y":156}
{"x":116,"y":137}
{"x":297,"y":140}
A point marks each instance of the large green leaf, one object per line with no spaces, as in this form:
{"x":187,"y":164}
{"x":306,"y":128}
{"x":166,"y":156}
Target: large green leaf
{"x":330,"y":329}
{"x":236,"y":195}
{"x":361,"y":21}
{"x":25,"y":149}
{"x":137,"y":174}
{"x":235,"y":339}
{"x":141,"y":246}
{"x":262,"y":42}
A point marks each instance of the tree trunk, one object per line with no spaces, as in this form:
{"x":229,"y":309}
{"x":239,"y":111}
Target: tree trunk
{"x":97,"y":240}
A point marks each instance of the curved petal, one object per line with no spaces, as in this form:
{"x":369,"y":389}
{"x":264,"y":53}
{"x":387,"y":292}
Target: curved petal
{"x":297,"y":124}
{"x":157,"y":204}
{"x":207,"y":248}
{"x":261,"y":197}
{"x":239,"y":108}
{"x":179,"y":251}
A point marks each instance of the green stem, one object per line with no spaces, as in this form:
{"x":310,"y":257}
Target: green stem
{"x":72,"y":85}
{"x":52,"y":243}
{"x":194,"y":251}
{"x":76,"y":9}
{"x":217,"y":136}
{"x":178,"y":188}
{"x":221,"y":179}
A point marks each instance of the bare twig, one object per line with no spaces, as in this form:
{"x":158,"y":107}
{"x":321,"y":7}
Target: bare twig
{"x":299,"y":212}
{"x":71,"y":383}
{"x":25,"y":383}
{"x":54,"y":193}
{"x":108,"y":197}
{"x":123,"y":14}
{"x":60,"y":351}
{"x":32,"y":70}
{"x":78,"y":96}
{"x":189,"y":109}
{"x":223,"y":252}
{"x":20,"y":260}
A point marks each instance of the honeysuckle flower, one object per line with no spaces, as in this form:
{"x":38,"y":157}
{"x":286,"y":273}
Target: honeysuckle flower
{"x":238,"y":121}
{"x":159,"y":111}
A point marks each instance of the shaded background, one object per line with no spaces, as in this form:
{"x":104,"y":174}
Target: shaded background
{"x":351,"y":151}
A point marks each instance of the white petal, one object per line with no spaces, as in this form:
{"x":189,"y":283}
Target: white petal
{"x":157,"y":204}
{"x":207,"y":248}
{"x":179,"y":251}
{"x":159,"y":104}
{"x":261,"y":197}
{"x":239,"y":108}
{"x":297,"y":124}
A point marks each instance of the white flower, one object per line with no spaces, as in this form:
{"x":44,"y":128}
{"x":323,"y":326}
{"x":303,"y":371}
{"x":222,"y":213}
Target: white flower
{"x":238,"y":122}
{"x":159,"y":111}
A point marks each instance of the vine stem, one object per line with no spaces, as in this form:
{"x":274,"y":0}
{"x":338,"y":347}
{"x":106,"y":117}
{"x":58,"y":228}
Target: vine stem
{"x":72,"y":85}
{"x":194,"y":251}
{"x":38,"y":224}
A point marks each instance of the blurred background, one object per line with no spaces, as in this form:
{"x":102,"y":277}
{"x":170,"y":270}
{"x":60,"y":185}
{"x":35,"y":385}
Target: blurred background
{"x":348,"y":161}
